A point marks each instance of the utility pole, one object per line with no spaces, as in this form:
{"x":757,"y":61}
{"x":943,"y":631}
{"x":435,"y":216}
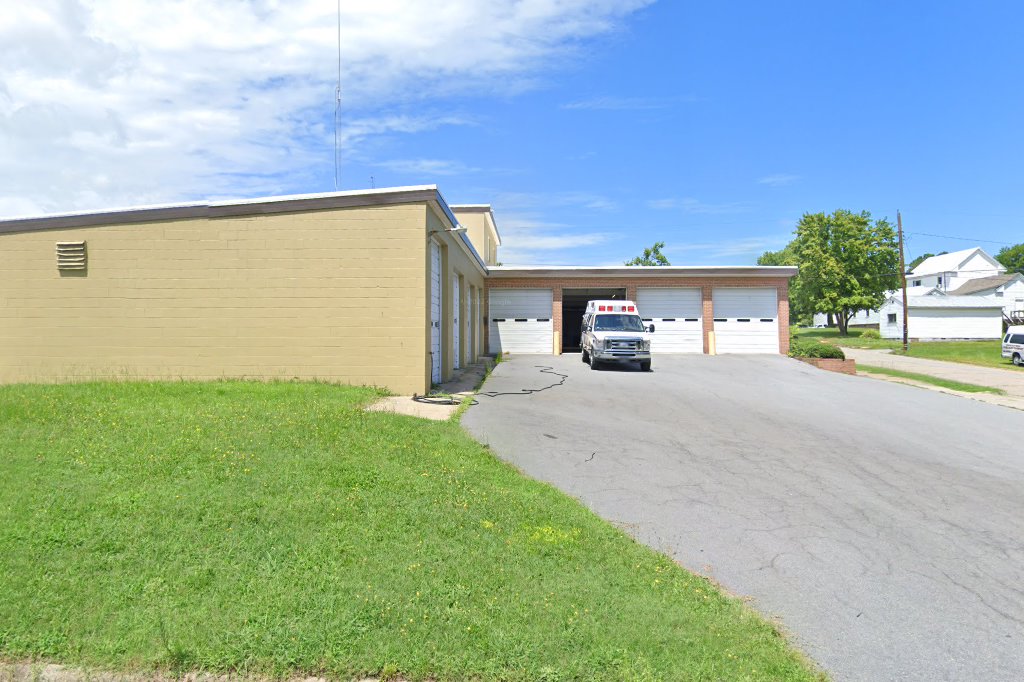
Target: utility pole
{"x":903,"y":280}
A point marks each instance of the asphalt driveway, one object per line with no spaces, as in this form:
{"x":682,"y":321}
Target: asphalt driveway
{"x":882,"y":524}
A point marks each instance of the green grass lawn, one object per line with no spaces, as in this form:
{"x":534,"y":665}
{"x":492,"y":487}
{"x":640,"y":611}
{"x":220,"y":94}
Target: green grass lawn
{"x":928,"y":379}
{"x":280,"y":529}
{"x":854,"y":340}
{"x":985,"y":353}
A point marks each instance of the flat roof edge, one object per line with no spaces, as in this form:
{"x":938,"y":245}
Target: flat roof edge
{"x":221,"y":209}
{"x":510,"y":272}
{"x":472,"y":208}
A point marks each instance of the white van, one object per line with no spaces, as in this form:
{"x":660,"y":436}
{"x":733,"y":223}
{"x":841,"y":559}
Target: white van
{"x":1013,"y":344}
{"x":613,"y":332}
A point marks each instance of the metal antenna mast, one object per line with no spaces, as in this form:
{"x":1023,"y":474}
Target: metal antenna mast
{"x":337,"y":110}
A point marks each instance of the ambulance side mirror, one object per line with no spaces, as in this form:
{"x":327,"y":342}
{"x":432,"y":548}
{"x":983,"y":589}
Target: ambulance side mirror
{"x":650,"y":329}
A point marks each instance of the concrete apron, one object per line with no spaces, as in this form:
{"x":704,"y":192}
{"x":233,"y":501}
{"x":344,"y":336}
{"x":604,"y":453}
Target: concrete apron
{"x":441,"y":403}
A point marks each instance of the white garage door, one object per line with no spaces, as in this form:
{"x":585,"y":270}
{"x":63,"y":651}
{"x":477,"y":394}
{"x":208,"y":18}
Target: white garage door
{"x":456,"y":330}
{"x":746,"y":320}
{"x":676,"y":316}
{"x":435,"y":313}
{"x":519,"y":321}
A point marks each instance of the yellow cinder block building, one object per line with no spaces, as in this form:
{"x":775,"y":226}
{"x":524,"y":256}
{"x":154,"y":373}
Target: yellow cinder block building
{"x":387,"y":287}
{"x":336,"y":287}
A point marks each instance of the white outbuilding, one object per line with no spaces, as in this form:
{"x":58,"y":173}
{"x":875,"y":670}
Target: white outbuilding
{"x":1008,"y":288}
{"x":939,"y":317}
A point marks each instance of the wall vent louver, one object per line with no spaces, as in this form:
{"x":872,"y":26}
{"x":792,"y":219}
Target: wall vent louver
{"x":71,"y":256}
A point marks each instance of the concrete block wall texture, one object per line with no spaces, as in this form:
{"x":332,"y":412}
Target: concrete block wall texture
{"x":329,"y":294}
{"x":631,"y":284}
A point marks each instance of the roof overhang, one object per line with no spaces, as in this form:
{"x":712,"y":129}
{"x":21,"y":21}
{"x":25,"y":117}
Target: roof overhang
{"x":439,"y":206}
{"x":980,"y":306}
{"x":627,"y":272}
{"x":946,"y":303}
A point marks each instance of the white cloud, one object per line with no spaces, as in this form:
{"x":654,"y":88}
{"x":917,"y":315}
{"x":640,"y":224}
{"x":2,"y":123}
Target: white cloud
{"x":691,"y":205}
{"x":619,"y":104}
{"x":522,"y":201}
{"x":427,"y":167}
{"x":778,"y":180}
{"x":117,"y":102}
{"x":529,"y":240}
{"x":731,"y":248}
{"x":615,"y":103}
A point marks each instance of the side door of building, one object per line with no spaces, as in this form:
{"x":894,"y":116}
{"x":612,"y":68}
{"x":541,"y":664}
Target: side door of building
{"x":586,"y":336}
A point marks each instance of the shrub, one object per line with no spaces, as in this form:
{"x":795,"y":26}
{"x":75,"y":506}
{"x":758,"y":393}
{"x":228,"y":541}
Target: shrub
{"x":826,"y":350}
{"x":870,"y":334}
{"x":807,"y":348}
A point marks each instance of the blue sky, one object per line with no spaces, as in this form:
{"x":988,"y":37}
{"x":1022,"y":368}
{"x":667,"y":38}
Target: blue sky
{"x":714,"y":126}
{"x":594,"y":128}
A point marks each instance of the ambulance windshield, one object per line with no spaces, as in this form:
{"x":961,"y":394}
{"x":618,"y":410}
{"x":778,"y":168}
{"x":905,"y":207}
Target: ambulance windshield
{"x":618,"y":323}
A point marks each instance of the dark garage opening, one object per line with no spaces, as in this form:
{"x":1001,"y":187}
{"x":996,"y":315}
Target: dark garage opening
{"x":574,"y":303}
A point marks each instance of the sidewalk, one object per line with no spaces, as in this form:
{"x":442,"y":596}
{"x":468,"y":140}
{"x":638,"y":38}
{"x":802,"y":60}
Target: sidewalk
{"x":1010,"y":380}
{"x":442,"y":403}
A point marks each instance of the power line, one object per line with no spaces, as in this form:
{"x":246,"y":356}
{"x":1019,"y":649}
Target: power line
{"x":963,"y":239}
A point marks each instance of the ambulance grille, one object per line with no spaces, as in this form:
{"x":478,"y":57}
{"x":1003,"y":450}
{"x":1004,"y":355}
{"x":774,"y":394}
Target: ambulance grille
{"x":622,"y":344}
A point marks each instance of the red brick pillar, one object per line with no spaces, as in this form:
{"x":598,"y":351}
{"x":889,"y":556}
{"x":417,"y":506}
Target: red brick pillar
{"x":784,"y":318}
{"x":556,"y":316}
{"x":707,"y":315}
{"x":631,"y":292}
{"x":485,"y":332}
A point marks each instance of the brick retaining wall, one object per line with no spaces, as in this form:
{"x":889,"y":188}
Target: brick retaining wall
{"x":832,"y":364}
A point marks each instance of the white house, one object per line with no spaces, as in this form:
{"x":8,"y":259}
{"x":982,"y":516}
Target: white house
{"x":951,"y":270}
{"x":968,"y":273}
{"x":1007,"y":288}
{"x":936,"y":316}
{"x":864,"y":318}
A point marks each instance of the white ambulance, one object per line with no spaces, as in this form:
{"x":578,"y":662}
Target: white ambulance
{"x":1013,"y":344}
{"x":613,"y":332}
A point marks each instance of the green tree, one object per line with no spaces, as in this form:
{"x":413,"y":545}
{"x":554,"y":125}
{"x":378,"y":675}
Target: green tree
{"x":1012,"y":257}
{"x":847,"y":263}
{"x":788,"y":256}
{"x":652,"y":256}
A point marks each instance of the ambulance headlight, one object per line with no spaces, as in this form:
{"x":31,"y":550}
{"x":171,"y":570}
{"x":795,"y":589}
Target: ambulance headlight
{"x":645,"y":345}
